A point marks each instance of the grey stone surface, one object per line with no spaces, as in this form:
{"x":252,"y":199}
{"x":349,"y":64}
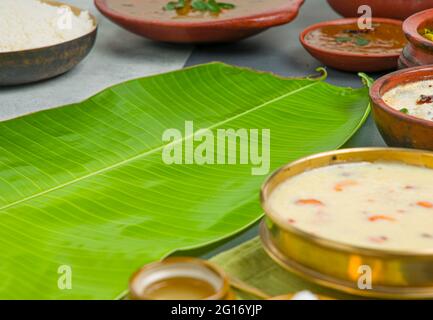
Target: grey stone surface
{"x":117,"y":56}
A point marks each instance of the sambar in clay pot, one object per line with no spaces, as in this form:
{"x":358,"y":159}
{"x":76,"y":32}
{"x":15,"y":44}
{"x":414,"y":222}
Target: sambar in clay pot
{"x":342,"y":45}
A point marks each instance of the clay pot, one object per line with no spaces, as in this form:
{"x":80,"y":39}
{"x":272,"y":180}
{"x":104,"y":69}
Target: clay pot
{"x":220,"y":30}
{"x":419,"y":50}
{"x":395,"y":9}
{"x":351,"y":61}
{"x":397,"y":128}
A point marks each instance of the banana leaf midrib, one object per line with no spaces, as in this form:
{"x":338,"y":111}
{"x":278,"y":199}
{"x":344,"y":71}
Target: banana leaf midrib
{"x":159,"y":148}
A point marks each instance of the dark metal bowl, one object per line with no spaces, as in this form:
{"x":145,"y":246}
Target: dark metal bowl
{"x":26,"y":66}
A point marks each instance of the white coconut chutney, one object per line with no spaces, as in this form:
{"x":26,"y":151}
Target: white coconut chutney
{"x":371,"y":205}
{"x":415,"y":99}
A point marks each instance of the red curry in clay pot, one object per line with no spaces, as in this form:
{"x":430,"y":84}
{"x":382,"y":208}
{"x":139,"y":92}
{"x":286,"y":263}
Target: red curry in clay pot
{"x":344,"y":45}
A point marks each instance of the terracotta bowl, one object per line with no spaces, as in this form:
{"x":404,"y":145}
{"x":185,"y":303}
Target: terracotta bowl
{"x":399,"y":129}
{"x":26,"y":66}
{"x":220,"y":30}
{"x":394,"y":9}
{"x":348,"y":61}
{"x":419,"y":50}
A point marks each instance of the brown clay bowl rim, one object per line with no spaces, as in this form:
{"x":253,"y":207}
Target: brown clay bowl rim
{"x":57,"y":4}
{"x":412,"y":24}
{"x":219,"y":295}
{"x":344,"y":21}
{"x":262,"y":20}
{"x":376,"y":94}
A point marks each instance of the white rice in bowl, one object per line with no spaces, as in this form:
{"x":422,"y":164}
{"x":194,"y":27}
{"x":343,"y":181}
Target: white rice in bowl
{"x":30,"y":24}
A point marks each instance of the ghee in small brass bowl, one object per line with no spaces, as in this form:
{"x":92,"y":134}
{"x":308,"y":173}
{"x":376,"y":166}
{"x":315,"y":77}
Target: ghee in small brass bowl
{"x":356,"y":220}
{"x":180,"y":278}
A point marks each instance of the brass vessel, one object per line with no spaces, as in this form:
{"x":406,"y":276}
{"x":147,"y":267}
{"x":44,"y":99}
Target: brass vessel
{"x":394,"y":274}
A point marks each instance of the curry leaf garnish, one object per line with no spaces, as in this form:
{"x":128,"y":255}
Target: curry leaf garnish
{"x":173,"y":5}
{"x":224,"y":5}
{"x":360,"y":41}
{"x":170,"y":6}
{"x":199,"y":5}
{"x":343,"y":39}
{"x":213,"y":6}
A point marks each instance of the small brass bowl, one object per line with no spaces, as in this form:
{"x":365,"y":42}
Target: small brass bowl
{"x":395,"y":274}
{"x":175,"y":267}
{"x":32,"y":65}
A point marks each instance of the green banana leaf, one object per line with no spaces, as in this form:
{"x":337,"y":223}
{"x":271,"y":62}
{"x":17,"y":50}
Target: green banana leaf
{"x":84,"y":191}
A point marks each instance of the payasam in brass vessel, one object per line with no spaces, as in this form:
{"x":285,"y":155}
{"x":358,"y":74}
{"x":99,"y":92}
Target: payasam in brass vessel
{"x":394,"y":274}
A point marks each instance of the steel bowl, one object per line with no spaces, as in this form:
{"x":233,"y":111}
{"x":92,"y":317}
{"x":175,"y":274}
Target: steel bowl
{"x":26,"y":66}
{"x":395,"y":274}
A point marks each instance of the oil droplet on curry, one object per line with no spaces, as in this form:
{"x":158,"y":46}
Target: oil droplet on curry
{"x":383,"y":38}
